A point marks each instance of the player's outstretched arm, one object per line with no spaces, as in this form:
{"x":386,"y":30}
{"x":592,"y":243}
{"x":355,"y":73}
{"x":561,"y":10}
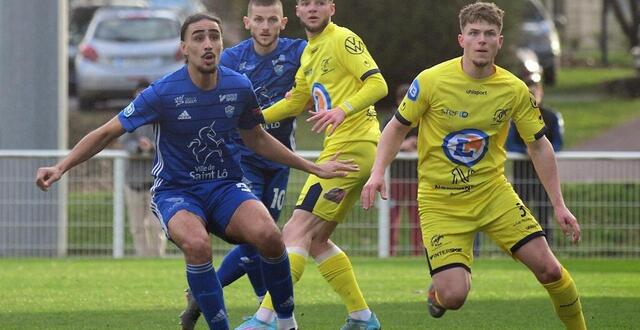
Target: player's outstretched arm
{"x":267,"y":146}
{"x":392,"y":137}
{"x":544,"y":161}
{"x":90,"y":145}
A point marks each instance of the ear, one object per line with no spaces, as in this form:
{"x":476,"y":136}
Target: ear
{"x":283,"y":23}
{"x":500,"y":41}
{"x":245,"y":20}
{"x":183,"y":48}
{"x":461,"y":40}
{"x":333,"y":9}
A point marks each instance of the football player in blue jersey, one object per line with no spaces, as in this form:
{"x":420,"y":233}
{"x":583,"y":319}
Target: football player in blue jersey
{"x":271,"y":63}
{"x":198,"y":185}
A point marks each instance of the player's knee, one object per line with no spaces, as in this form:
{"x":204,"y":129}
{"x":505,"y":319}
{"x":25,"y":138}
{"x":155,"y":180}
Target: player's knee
{"x":269,"y":242}
{"x":550,"y":272}
{"x":197,"y":249}
{"x":452,"y":298}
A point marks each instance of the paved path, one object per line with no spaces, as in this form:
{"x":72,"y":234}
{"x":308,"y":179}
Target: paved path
{"x":624,"y":137}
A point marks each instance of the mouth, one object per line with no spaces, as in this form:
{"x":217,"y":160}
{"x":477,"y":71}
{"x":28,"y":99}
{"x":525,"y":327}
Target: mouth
{"x":208,"y":58}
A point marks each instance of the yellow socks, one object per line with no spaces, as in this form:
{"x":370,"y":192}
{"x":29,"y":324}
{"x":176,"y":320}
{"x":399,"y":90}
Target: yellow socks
{"x":337,"y":270}
{"x":297,"y":261}
{"x":566,"y":301}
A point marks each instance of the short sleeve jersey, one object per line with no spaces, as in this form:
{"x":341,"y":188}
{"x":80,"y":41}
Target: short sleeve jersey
{"x":463,"y":123}
{"x":335,"y":64}
{"x":193,"y":127}
{"x":272,"y":76}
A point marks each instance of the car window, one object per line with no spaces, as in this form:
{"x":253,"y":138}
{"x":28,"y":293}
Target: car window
{"x":137,"y":29}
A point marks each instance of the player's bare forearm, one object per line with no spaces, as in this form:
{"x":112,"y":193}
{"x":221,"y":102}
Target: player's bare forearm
{"x":544,"y":161}
{"x":267,"y":146}
{"x":90,"y":145}
{"x":392,"y":136}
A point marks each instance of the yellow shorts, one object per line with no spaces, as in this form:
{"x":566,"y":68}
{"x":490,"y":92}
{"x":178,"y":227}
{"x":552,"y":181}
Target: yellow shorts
{"x":449,"y":240}
{"x":331,"y":199}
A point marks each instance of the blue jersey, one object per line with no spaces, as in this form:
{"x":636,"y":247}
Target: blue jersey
{"x":272,"y":76}
{"x":193,"y":127}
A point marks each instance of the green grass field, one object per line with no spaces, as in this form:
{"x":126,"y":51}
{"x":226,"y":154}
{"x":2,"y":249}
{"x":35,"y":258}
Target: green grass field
{"x":147,"y":294}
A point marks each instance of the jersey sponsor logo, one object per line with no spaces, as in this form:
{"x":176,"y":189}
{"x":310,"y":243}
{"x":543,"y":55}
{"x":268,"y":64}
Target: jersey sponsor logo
{"x":205,"y":144}
{"x":278,"y":69}
{"x":325,"y":66}
{"x":184,"y":116}
{"x":466,"y":147}
{"x":354,"y":45}
{"x":453,"y":113}
{"x":476,"y":92}
{"x":229,"y":97}
{"x":461,"y":176}
{"x":308,"y":71}
{"x":181,"y":100}
{"x":445,"y":252}
{"x":436,"y":240}
{"x":321,"y":98}
{"x":229,"y":110}
{"x":129,"y":110}
{"x":335,"y":195}
{"x":414,"y":90}
{"x":499,"y":116}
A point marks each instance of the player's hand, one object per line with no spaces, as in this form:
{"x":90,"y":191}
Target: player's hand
{"x":46,"y":176}
{"x":374,"y":185}
{"x":322,"y":120}
{"x":568,"y":223}
{"x":144,"y":144}
{"x":336,"y":168}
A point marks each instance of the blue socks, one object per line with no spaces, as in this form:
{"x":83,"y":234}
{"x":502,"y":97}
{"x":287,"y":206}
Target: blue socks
{"x":242,"y":259}
{"x":277,"y":277}
{"x":207,"y":291}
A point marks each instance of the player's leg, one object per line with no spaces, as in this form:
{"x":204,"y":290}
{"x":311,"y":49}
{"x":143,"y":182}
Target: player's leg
{"x":243,"y":258}
{"x":299,"y":238}
{"x":517,"y":232}
{"x":183,"y":219}
{"x":537,"y":256}
{"x":251,"y":223}
{"x":272,"y":194}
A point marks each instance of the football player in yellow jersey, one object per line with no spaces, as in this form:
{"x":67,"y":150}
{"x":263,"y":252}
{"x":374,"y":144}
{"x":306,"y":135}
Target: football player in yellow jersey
{"x":463,"y":107}
{"x":340,"y":76}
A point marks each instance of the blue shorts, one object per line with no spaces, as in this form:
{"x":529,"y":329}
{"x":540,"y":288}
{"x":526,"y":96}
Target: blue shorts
{"x":214,"y":202}
{"x":269,"y":185}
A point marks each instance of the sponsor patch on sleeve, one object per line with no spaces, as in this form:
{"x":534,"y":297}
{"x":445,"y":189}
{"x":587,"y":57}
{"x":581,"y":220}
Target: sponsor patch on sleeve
{"x":414,"y":90}
{"x":129,"y":110}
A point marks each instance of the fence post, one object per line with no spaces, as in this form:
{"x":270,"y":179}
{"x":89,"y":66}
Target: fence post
{"x":118,"y":206}
{"x":383,"y":220}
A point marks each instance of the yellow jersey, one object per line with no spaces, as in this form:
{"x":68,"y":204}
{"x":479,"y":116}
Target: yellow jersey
{"x":333,"y":69}
{"x":463,"y":123}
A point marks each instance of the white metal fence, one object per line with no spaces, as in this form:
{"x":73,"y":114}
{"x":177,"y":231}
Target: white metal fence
{"x":85,"y":214}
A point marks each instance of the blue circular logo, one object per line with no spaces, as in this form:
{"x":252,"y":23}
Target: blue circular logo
{"x":466,"y":147}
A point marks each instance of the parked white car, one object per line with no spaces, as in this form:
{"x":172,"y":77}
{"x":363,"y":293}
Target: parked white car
{"x":124,"y":46}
